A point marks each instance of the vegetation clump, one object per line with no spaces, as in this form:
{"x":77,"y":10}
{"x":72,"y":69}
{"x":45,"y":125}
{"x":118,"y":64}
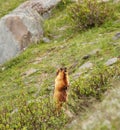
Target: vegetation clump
{"x":89,"y":13}
{"x":93,"y":85}
{"x":31,"y":115}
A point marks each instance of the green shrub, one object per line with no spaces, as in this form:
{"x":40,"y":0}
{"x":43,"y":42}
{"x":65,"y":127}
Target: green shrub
{"x":89,"y":13}
{"x":96,"y":82}
{"x":33,"y":115}
{"x":91,"y":87}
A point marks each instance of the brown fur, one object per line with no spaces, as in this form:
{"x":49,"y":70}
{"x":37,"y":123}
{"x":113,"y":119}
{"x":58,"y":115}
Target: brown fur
{"x":61,"y":87}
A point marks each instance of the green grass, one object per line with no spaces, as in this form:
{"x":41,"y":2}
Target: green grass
{"x":8,"y":5}
{"x":67,"y":47}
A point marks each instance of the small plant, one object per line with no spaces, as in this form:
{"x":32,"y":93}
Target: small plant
{"x":89,"y":13}
{"x":63,"y":4}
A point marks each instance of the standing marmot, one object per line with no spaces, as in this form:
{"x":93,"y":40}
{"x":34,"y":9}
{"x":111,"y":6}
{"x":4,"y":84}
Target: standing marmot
{"x":61,"y":86}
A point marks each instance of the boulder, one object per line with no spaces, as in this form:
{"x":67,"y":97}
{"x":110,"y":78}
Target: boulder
{"x":22,"y":27}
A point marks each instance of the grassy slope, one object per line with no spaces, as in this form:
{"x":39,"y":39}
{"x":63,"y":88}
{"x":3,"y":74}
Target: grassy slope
{"x":8,"y":5}
{"x":65,"y":49}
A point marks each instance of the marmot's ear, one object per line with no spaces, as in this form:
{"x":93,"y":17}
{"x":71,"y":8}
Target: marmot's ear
{"x":61,"y":69}
{"x":65,"y":69}
{"x":57,"y":72}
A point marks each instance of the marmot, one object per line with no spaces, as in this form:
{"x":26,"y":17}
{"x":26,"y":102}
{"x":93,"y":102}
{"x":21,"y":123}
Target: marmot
{"x":61,"y":87}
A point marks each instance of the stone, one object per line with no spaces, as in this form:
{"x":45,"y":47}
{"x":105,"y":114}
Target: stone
{"x":95,"y":52}
{"x":14,"y":111}
{"x":3,"y":68}
{"x":82,"y":69}
{"x":17,"y":31}
{"x":111,"y":61}
{"x":85,"y":57}
{"x":117,"y":36}
{"x":23,"y":26}
{"x":69,"y":114}
{"x":77,"y":75}
{"x":29,"y":72}
{"x":46,"y":15}
{"x":39,"y":59}
{"x":87,"y":65}
{"x":116,"y":1}
{"x":116,"y":43}
{"x":92,"y":43}
{"x":92,"y":53}
{"x":46,"y":40}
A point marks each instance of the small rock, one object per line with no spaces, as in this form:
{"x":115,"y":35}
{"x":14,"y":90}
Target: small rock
{"x":86,"y":57}
{"x":116,"y":43}
{"x":73,"y":123}
{"x":116,"y":1}
{"x":55,"y":41}
{"x":39,"y":59}
{"x":3,"y":68}
{"x":63,"y":28}
{"x":100,"y":35}
{"x":84,"y":43}
{"x":69,"y":114}
{"x":96,"y":51}
{"x":56,"y":37}
{"x":46,"y":40}
{"x":46,"y":15}
{"x":82,"y":69}
{"x":92,"y":43}
{"x":111,"y":61}
{"x":87,"y":65}
{"x":14,"y":111}
{"x":101,"y":59}
{"x":77,"y":75}
{"x":117,"y":36}
{"x":30,"y":71}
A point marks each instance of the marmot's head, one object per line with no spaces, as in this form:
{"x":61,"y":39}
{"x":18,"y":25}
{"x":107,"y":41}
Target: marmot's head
{"x":62,"y":72}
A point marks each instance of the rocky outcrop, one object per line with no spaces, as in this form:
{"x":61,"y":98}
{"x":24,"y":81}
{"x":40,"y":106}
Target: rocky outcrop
{"x":22,"y":27}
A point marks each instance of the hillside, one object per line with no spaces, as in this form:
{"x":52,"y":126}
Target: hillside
{"x":27,"y":81}
{"x":8,"y":5}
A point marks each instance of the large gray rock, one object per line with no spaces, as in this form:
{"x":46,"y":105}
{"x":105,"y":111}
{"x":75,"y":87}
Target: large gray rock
{"x":22,"y":27}
{"x":41,"y":6}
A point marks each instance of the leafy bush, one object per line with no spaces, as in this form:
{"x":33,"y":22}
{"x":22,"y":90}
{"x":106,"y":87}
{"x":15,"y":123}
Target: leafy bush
{"x":89,"y":13}
{"x":92,"y":87}
{"x":33,"y":115}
